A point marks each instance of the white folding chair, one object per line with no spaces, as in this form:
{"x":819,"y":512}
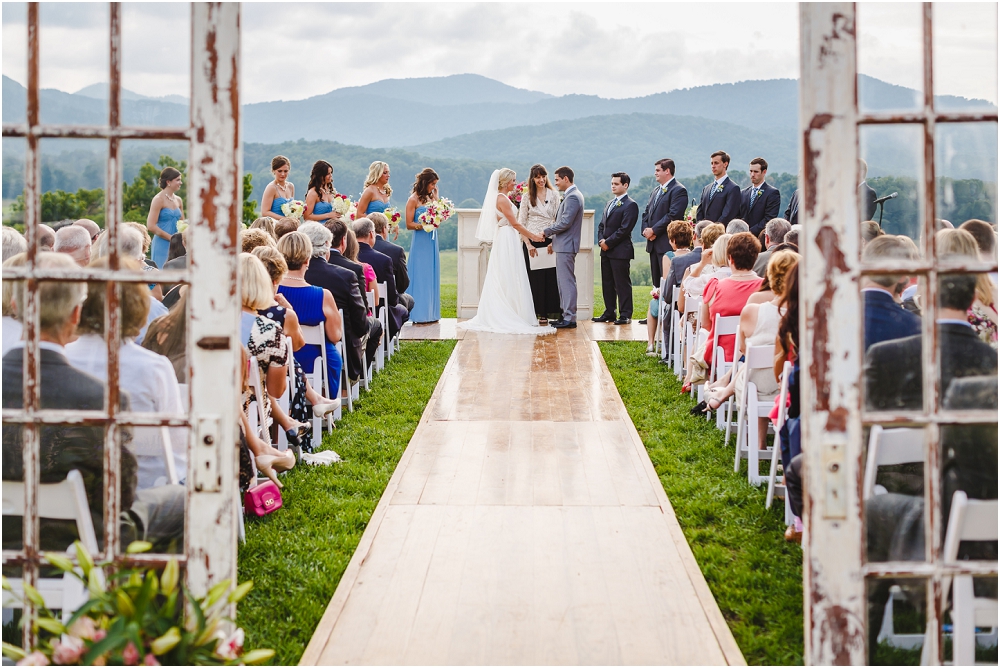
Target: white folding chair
{"x":317,"y":376}
{"x":676,"y":330}
{"x":688,"y":334}
{"x":724,"y":325}
{"x":382,"y":313}
{"x":66,"y":500}
{"x":773,"y":483}
{"x":969,"y":520}
{"x":258,"y":414}
{"x":382,"y":353}
{"x":659,"y":345}
{"x":749,"y":410}
{"x":890,"y":447}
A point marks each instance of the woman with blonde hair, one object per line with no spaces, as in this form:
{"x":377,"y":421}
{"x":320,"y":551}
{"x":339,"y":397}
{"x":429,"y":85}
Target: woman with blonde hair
{"x":376,"y":192}
{"x":278,"y":192}
{"x":982,"y":315}
{"x":265,"y":223}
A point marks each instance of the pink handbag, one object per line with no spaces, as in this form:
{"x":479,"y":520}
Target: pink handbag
{"x":263,"y":499}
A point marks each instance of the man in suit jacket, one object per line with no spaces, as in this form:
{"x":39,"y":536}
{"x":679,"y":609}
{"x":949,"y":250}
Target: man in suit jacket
{"x":63,"y":448}
{"x":338,"y":259}
{"x":666,"y":203}
{"x":774,"y":236}
{"x":720,"y":199}
{"x":886,"y":319}
{"x":361,"y":331}
{"x":614,"y":236}
{"x":364,"y":230}
{"x":792,"y":212}
{"x":759,"y":201}
{"x":866,"y":194}
{"x":565,"y":234}
{"x":398,"y":257}
{"x":893,"y":368}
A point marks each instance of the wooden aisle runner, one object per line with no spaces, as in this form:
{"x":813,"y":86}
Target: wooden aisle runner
{"x":525,"y":524}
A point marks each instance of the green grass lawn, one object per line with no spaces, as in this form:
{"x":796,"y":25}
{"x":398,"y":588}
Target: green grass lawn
{"x":755,"y":575}
{"x":296,"y":556}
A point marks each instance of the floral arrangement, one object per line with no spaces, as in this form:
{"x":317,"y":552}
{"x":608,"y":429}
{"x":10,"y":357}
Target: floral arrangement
{"x":437,"y":212}
{"x":293,"y":209}
{"x":517,"y":194}
{"x":394,"y":216}
{"x":342,"y":204}
{"x":692,"y":215}
{"x":136,"y":618}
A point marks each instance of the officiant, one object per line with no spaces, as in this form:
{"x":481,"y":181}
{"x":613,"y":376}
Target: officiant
{"x":538,"y":211}
{"x":614,"y":236}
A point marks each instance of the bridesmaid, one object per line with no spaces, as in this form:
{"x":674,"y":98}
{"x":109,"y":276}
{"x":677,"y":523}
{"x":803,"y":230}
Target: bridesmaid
{"x":375,"y":196}
{"x":279,"y":191}
{"x":425,"y":263}
{"x":165,"y":211}
{"x":319,"y":193}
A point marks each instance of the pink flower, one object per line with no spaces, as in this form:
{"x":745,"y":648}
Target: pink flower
{"x":150,"y":660}
{"x":130,"y":655}
{"x":231,"y":648}
{"x":67,"y":651}
{"x":34,"y":659}
{"x":83,"y":628}
{"x":99,"y":635}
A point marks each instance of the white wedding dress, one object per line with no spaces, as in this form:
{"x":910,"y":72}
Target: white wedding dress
{"x":505,"y":304}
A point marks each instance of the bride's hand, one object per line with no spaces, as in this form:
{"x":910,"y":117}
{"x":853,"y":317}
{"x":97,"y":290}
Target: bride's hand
{"x":533,"y":252}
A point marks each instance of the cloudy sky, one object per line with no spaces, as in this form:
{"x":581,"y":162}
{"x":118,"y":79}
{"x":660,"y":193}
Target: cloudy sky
{"x":296,"y":50}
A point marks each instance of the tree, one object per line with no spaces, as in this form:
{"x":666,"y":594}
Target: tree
{"x":137,"y":196}
{"x":61,"y":205}
{"x":249,"y":204}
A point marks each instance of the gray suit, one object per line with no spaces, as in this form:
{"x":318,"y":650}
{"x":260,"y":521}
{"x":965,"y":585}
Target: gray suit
{"x":565,"y":235}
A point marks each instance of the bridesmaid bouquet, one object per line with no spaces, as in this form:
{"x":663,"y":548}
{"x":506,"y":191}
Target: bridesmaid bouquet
{"x":394,"y":216}
{"x":342,"y":204}
{"x":691,"y":216}
{"x":517,"y":194}
{"x":293,"y":209}
{"x":437,"y":212}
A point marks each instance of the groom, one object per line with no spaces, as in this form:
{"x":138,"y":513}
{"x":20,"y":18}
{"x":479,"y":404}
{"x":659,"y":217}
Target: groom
{"x":566,"y":243}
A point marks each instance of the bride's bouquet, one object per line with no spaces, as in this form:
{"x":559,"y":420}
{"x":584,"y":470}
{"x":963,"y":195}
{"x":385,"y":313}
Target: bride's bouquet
{"x":394,"y":216}
{"x":342,"y":204}
{"x":517,"y":194}
{"x":293,"y":209}
{"x":437,"y":212}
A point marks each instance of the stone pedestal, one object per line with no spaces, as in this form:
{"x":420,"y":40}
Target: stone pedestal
{"x":473,"y":257}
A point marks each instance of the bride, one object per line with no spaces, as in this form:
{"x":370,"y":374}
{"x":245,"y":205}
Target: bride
{"x":505,"y":305}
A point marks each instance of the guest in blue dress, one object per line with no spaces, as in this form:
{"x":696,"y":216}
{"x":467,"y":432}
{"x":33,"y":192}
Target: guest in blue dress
{"x":165,"y":211}
{"x":425,"y":261}
{"x":319,"y":193}
{"x":313,"y":306}
{"x":279,"y":191}
{"x":375,"y":195}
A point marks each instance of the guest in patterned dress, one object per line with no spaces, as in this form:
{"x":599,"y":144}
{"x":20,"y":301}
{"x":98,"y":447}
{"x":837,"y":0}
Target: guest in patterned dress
{"x":279,"y":191}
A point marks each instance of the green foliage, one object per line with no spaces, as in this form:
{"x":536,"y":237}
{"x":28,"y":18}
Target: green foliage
{"x":134,"y":616}
{"x":61,"y":205}
{"x":297,"y":556}
{"x":755,"y":576}
{"x":137,"y":196}
{"x":957,"y":200}
{"x":249,"y":204}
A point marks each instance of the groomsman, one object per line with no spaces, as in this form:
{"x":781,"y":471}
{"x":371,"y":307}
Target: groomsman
{"x":792,"y":212}
{"x":614,"y":236}
{"x":667,"y":203}
{"x":720,"y":199}
{"x":760,"y":200}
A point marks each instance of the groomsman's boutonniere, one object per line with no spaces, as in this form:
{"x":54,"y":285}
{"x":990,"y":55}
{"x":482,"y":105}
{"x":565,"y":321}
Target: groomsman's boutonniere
{"x":718,"y":188}
{"x":618,"y":203}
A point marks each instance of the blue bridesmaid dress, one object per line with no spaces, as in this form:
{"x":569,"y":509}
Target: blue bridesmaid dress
{"x":425,"y":274}
{"x":376,"y":206}
{"x":277,"y":203}
{"x":167,"y":221}
{"x":321,"y":208}
{"x":307,"y":302}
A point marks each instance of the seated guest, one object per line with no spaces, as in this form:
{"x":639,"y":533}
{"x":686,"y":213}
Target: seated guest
{"x":171,"y":291}
{"x":167,"y":336}
{"x":339,"y":257}
{"x":680,"y":237}
{"x":13,"y":243}
{"x":696,"y":276}
{"x":984,"y":234}
{"x":11,"y":325}
{"x":774,"y":234}
{"x":370,"y":282}
{"x":792,"y":236}
{"x":884,"y":318}
{"x":983,"y":312}
{"x":93,"y":229}
{"x":869,"y":231}
{"x":147,"y":377}
{"x":893,"y":368}
{"x":284,"y":226}
{"x":396,"y":254}
{"x":267,"y":224}
{"x":737,"y":226}
{"x":365,"y":231}
{"x":254,"y":237}
{"x":362,"y":332}
{"x":313,"y":306}
{"x":75,"y":242}
{"x":46,"y":237}
{"x":156,"y":515}
{"x":725,"y":297}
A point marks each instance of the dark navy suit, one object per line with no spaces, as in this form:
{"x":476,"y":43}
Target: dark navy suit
{"x":765,"y":207}
{"x":724,"y":206}
{"x":792,"y":212}
{"x":662,"y":208}
{"x":885,"y":319}
{"x":382,"y":264}
{"x":617,"y":221}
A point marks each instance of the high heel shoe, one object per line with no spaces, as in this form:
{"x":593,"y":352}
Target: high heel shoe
{"x":321,"y":409}
{"x":685,"y":388}
{"x":265,"y":464}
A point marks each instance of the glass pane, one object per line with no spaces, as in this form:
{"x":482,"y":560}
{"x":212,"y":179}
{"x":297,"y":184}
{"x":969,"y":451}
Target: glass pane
{"x":890,"y":56}
{"x":156,"y":506}
{"x":15,"y":68}
{"x":975,"y":643}
{"x":897,"y":621}
{"x":73,"y":175}
{"x":156,"y":64}
{"x":965,"y":165}
{"x":13,"y":183}
{"x":965,"y":56}
{"x":967,"y":333}
{"x":74,"y":80}
{"x":892,"y":306}
{"x":892,"y":167}
{"x":145,"y":162}
{"x":893,"y":493}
